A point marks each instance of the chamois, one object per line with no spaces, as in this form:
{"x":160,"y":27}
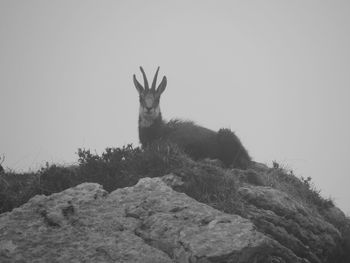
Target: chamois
{"x":198,"y":142}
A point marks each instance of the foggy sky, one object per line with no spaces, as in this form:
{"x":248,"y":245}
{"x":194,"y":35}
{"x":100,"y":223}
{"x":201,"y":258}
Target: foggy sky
{"x":275,"y":72}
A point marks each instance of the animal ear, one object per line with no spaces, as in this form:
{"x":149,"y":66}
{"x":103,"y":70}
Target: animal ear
{"x":138,"y":86}
{"x":162,"y":86}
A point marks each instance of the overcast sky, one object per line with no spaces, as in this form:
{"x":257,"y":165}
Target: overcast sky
{"x":275,"y":72}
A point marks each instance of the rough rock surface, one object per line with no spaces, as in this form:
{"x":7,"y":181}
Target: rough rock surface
{"x":290,"y":223}
{"x":148,"y":222}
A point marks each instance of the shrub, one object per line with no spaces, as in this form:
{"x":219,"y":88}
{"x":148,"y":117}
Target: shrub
{"x":16,"y":189}
{"x":121,"y":167}
{"x":54,"y":178}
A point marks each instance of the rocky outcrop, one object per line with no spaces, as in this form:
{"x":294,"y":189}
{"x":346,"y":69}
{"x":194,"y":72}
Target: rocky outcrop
{"x":292,"y":224}
{"x":148,"y":222}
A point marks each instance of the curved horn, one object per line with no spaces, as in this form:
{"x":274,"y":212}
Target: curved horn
{"x":144,"y":79}
{"x":154,"y":83}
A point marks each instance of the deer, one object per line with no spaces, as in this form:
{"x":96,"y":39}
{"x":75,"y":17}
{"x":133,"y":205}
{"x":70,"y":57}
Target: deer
{"x":196,"y":141}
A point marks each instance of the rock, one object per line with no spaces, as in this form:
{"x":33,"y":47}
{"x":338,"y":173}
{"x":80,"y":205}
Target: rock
{"x":293,"y":225}
{"x":172,"y":180}
{"x":148,"y":222}
{"x":253,"y":177}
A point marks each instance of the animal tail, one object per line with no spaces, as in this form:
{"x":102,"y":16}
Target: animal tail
{"x":231,"y":151}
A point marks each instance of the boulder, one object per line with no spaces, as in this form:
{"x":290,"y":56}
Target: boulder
{"x":149,"y":222}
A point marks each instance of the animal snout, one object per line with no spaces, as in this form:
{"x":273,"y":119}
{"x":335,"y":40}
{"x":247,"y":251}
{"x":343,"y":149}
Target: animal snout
{"x":148,"y":109}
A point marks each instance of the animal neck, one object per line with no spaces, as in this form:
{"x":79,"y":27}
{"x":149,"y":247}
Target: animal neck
{"x":150,"y":128}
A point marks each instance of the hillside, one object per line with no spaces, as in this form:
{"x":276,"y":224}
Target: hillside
{"x":158,"y":205}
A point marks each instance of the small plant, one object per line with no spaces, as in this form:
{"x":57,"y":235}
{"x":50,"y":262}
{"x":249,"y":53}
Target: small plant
{"x":275,"y":165}
{"x":306,"y":181}
{"x":2,"y":159}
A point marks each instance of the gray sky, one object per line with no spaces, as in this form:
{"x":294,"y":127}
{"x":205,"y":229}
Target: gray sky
{"x":275,"y":72}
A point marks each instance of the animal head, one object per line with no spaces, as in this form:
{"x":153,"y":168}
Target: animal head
{"x":149,"y":97}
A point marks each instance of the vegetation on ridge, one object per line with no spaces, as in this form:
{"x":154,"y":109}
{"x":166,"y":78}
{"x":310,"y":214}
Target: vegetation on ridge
{"x":207,"y":181}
